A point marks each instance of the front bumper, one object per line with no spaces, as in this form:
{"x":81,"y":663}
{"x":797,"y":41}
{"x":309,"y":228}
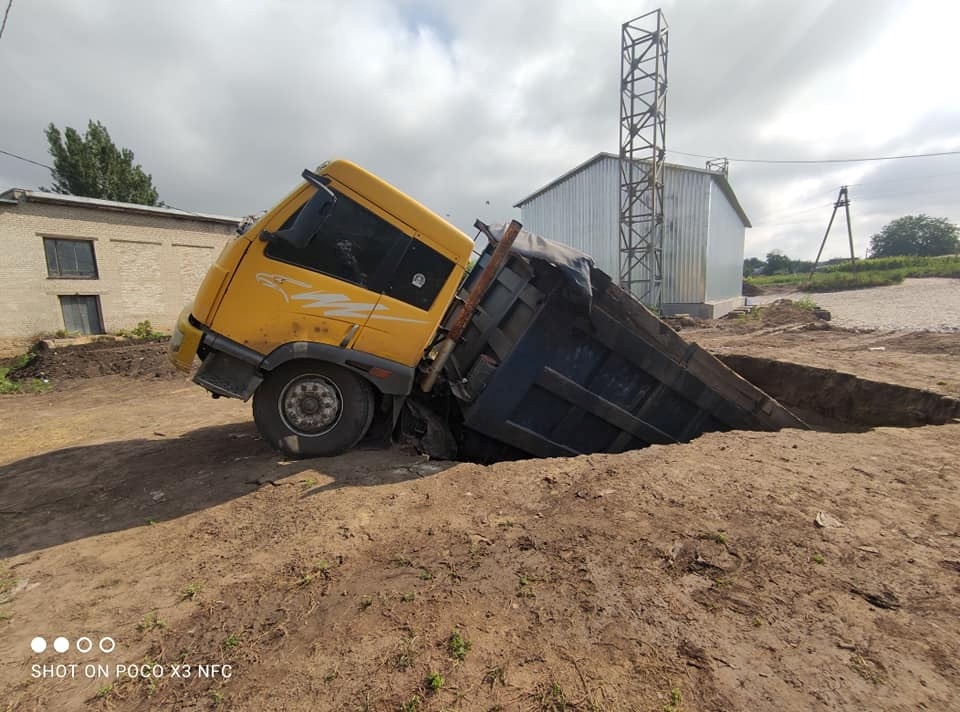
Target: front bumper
{"x":184,"y":342}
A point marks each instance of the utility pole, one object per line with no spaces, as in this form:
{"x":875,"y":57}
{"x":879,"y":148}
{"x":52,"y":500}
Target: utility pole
{"x":843,"y":201}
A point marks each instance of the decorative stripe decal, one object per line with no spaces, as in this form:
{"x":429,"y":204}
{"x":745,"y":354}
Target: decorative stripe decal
{"x":330,"y":304}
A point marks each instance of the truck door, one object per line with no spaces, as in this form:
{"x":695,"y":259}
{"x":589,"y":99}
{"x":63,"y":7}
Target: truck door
{"x":324,"y":292}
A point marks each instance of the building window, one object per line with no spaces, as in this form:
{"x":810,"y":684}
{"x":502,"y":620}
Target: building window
{"x":70,"y":259}
{"x":81,"y":314}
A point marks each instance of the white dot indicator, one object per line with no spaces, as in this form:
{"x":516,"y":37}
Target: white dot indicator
{"x":38,"y":645}
{"x":107,"y":645}
{"x":61,"y":645}
{"x":84,"y":645}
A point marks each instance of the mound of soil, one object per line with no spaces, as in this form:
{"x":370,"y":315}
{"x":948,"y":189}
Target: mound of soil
{"x":142,"y":358}
{"x":785,"y":311}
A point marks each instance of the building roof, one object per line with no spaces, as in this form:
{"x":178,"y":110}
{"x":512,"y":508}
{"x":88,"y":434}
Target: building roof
{"x":15,"y":196}
{"x":719,"y":178}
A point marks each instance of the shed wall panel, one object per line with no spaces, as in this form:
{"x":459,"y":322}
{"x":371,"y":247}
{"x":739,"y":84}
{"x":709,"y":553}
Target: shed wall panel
{"x":724,"y":249}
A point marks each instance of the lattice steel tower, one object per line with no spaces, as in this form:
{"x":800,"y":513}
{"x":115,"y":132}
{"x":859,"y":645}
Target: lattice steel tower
{"x":643,"y":124}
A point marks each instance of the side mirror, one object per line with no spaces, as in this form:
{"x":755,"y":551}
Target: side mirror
{"x":311,"y":217}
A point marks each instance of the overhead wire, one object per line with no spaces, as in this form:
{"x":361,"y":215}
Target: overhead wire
{"x":6,"y":14}
{"x":820,"y":160}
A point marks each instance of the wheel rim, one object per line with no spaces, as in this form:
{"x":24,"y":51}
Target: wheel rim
{"x":311,"y":405}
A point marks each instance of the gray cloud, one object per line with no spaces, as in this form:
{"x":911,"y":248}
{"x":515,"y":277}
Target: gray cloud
{"x":459,"y":104}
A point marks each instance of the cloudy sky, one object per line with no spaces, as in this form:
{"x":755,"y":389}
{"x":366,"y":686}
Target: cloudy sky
{"x":470,"y":106}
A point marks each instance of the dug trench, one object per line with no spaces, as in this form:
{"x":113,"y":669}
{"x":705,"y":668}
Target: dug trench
{"x":841,"y":402}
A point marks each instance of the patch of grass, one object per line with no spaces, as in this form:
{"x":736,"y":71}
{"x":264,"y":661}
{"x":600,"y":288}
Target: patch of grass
{"x":143,"y":330}
{"x":752,"y":315}
{"x":676,"y":700}
{"x":310,"y":483}
{"x":28,"y":385}
{"x":408,"y":597}
{"x":366,"y":602}
{"x":402,"y":562}
{"x":757,"y":621}
{"x":818,"y":559}
{"x":407,"y":654}
{"x":231,"y":641}
{"x":523,"y":587}
{"x":425,"y":575}
{"x":151,"y":522}
{"x":216,"y":697}
{"x":104,"y":691}
{"x":866,"y":273}
{"x":805,"y":303}
{"x":553,"y":699}
{"x":150,"y":622}
{"x":320,"y":570}
{"x":411,"y":705}
{"x":191,"y":591}
{"x":843,"y":281}
{"x":7,"y":584}
{"x":434,"y":681}
{"x":458,"y":645}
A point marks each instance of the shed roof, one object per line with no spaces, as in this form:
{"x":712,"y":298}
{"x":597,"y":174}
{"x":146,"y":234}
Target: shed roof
{"x":16,"y":196}
{"x":719,"y":178}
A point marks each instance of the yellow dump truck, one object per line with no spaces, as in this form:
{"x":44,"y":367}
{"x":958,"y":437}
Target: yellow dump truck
{"x":350,"y":301}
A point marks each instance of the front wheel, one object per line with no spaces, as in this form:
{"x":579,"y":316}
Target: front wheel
{"x":313,"y":409}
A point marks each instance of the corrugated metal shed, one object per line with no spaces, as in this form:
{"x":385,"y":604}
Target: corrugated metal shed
{"x":704,"y":227}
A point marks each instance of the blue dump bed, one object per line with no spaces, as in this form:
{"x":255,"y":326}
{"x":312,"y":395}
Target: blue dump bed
{"x":551,"y":370}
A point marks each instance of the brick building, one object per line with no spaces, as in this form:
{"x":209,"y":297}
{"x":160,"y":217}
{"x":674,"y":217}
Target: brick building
{"x":94,"y":266}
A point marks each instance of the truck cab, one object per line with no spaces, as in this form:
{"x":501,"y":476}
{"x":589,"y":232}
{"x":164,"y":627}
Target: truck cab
{"x":323,"y":309}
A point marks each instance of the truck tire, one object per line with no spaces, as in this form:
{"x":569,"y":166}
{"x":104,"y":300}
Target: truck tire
{"x":313,"y":409}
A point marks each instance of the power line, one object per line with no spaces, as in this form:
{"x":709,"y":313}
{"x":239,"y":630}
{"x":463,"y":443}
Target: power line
{"x":5,"y":15}
{"x":824,"y":160}
{"x":21,"y":158}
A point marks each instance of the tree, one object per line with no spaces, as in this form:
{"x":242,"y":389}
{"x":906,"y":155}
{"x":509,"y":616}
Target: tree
{"x":915,"y":235}
{"x":750,"y":265}
{"x":777,"y":263}
{"x":92,"y":166}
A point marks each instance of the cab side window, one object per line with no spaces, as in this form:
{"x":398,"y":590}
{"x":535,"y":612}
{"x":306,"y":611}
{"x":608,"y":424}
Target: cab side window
{"x":353,"y":244}
{"x":420,"y":275}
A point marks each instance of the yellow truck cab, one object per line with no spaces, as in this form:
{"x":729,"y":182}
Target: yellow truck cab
{"x":323,"y":309}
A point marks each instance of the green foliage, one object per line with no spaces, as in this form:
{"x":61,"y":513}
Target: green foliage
{"x":458,"y":645}
{"x":435,"y":681}
{"x":919,"y":235}
{"x":91,"y":165}
{"x":676,"y":700}
{"x":9,"y":385}
{"x":865,"y":273}
{"x":411,"y":705}
{"x":805,"y":303}
{"x":777,"y":263}
{"x":751,"y":264}
{"x":143,"y":330}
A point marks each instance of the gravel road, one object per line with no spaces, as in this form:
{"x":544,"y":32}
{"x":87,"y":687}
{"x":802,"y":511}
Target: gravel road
{"x":931,"y":304}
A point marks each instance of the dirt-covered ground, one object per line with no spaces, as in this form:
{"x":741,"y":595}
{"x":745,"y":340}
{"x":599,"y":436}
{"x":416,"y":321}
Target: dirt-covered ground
{"x":691,"y":577}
